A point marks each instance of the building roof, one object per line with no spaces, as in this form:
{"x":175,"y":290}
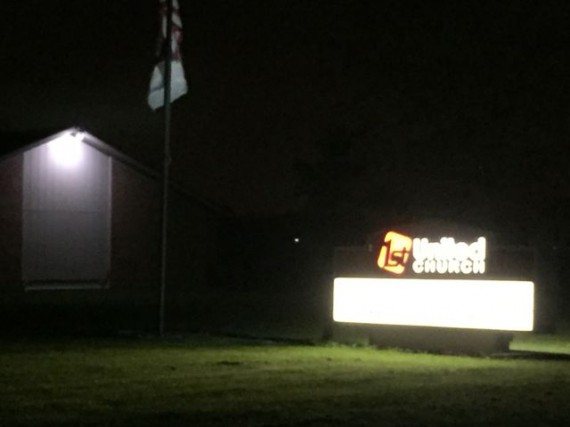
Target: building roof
{"x":12,"y":143}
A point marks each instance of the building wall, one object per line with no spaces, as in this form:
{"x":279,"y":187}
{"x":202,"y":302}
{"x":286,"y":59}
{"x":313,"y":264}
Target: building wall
{"x":136,"y":250}
{"x":135,"y":228}
{"x":193,"y":260}
{"x":130,"y":302}
{"x":66,"y":215}
{"x":10,"y":223}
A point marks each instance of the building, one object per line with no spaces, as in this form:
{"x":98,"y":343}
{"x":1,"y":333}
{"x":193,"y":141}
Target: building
{"x":80,"y":237}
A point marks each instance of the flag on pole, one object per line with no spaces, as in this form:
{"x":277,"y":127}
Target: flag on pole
{"x":178,"y":86}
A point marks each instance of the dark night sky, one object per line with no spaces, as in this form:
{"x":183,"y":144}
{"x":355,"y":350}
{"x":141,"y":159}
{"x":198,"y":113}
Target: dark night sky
{"x":269,"y":78}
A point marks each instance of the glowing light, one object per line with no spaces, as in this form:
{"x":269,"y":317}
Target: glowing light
{"x":67,"y":150}
{"x":395,"y":252}
{"x":449,"y":256}
{"x":444,"y":257}
{"x":472,"y":304}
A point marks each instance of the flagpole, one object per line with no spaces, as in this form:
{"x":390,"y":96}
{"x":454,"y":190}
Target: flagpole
{"x":166,"y":165}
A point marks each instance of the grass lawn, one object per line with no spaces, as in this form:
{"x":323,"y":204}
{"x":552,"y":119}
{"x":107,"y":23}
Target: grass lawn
{"x":558,"y":343}
{"x":203,"y":381}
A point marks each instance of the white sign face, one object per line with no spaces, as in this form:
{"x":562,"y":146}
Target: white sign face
{"x":473,"y":304}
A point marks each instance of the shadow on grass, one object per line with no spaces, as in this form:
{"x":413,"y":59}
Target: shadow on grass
{"x":209,"y":419}
{"x":532,"y":355}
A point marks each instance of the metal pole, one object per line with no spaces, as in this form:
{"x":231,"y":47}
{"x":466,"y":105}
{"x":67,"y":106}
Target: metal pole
{"x":166,"y":166}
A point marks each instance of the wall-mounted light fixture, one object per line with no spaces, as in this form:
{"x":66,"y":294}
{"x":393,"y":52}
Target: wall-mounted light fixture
{"x":67,"y":150}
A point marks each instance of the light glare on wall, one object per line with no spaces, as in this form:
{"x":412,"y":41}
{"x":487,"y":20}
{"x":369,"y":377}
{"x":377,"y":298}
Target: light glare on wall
{"x":472,"y":304}
{"x":67,"y":150}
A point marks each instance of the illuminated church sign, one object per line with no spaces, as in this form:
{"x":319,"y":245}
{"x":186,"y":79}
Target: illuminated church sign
{"x":446,"y":256}
{"x":439,"y":282}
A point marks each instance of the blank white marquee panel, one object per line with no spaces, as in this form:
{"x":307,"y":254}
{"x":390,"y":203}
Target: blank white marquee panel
{"x":473,"y":304}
